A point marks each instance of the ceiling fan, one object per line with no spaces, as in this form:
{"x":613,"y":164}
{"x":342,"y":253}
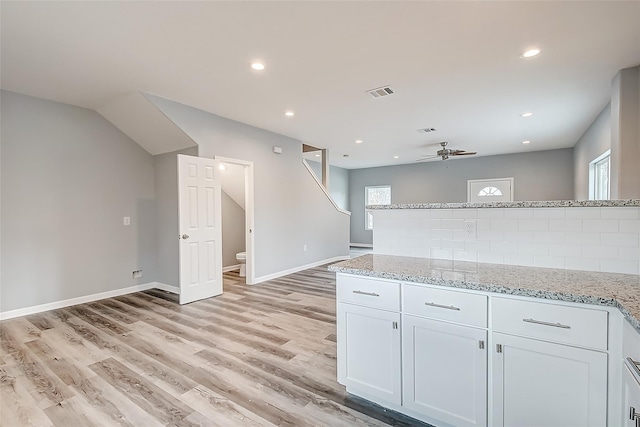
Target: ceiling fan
{"x":445,"y":153}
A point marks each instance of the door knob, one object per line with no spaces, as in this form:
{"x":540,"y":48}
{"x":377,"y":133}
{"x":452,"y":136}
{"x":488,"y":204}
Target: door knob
{"x":185,"y":236}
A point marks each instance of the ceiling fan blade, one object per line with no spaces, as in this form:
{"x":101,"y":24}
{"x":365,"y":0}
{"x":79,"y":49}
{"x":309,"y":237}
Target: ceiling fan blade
{"x":427,"y":158}
{"x":429,"y":155}
{"x":464,"y":153}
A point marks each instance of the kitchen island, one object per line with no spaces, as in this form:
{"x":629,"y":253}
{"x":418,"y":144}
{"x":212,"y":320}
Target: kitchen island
{"x":457,"y":343}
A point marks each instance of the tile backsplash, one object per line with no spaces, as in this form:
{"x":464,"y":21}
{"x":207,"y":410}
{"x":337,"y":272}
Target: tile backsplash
{"x":574,"y":238}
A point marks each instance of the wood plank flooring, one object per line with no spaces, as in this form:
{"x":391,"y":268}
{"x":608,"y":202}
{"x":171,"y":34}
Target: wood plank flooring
{"x":259,"y":355}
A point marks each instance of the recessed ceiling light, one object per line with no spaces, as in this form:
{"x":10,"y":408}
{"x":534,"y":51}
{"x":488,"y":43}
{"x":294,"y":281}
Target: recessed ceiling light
{"x":257,"y":66}
{"x":222,"y":167}
{"x":531,"y":53}
{"x":526,"y":142}
{"x":358,"y":141}
{"x":289,"y":114}
{"x":396,"y":157}
{"x":527,"y":114}
{"x":317,"y":155}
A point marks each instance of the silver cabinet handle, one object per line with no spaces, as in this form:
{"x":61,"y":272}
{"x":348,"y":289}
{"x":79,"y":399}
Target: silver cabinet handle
{"x":371,"y":294}
{"x":448,"y":307}
{"x":635,"y":365}
{"x":185,"y":236}
{"x":540,"y":322}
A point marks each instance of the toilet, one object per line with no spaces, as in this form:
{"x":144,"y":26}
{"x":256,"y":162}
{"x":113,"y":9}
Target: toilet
{"x":241,"y":257}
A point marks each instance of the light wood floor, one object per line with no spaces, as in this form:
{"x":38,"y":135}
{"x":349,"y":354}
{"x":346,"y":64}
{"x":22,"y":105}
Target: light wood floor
{"x":259,"y":355}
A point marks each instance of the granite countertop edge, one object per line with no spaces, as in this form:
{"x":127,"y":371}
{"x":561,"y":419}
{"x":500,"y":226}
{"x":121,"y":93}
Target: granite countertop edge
{"x":490,"y":287}
{"x":523,"y":204}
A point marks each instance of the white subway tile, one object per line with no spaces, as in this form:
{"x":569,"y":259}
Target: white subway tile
{"x":490,"y":213}
{"x":620,"y":266}
{"x":470,"y":213}
{"x":461,"y":235}
{"x":533,"y":248}
{"x":584,"y":264}
{"x":629,"y":225}
{"x":549,"y":213}
{"x":546,"y":261}
{"x":442,"y":234}
{"x":504,"y":247}
{"x":629,"y":254}
{"x":518,"y":213}
{"x":600,"y":252}
{"x":600,"y":225}
{"x":441,"y":213}
{"x":432,"y":223}
{"x":565,"y":224}
{"x":478,"y":246}
{"x":434,"y":243}
{"x":491,"y":236}
{"x":442,"y":254}
{"x":620,"y":239}
{"x":452,"y":244}
{"x":518,"y":259}
{"x":420,"y":252}
{"x":454,"y":224}
{"x":582,"y":213}
{"x":533,"y":225}
{"x":381,"y":249}
{"x":402,"y":251}
{"x":519,"y":236}
{"x":483,"y":224}
{"x":582,"y":238}
{"x":504,"y":224}
{"x":549,"y":237}
{"x":630,"y":212}
{"x":564,"y":250}
{"x":491,"y":258}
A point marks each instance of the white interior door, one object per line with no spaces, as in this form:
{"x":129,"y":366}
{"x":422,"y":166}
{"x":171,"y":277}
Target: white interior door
{"x":200,"y":228}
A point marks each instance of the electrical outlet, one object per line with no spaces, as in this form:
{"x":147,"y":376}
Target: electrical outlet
{"x":470,"y":228}
{"x":136,"y":274}
{"x":304,"y":248}
{"x":126,"y":220}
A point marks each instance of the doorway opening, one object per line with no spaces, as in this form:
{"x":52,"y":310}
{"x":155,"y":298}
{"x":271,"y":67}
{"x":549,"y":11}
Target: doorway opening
{"x":236,"y":178}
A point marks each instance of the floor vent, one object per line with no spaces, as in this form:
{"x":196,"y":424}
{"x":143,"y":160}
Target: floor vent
{"x":381,"y":91}
{"x":426,"y":130}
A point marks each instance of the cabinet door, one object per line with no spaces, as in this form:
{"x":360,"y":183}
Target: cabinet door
{"x":369,"y":351}
{"x":536,"y":383}
{"x":631,"y":398}
{"x":445,"y":371}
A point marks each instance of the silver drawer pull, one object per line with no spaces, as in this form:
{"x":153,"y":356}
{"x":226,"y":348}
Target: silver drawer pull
{"x":540,"y":322}
{"x":635,"y":365}
{"x":448,"y":307}
{"x":371,"y":294}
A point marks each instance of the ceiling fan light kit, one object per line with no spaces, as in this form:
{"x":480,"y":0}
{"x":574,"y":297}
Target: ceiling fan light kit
{"x":445,"y":153}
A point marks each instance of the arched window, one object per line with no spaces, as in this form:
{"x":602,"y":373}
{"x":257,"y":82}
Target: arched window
{"x":489,"y":191}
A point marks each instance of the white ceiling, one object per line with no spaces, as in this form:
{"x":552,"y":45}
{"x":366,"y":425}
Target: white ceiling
{"x":455,"y":66}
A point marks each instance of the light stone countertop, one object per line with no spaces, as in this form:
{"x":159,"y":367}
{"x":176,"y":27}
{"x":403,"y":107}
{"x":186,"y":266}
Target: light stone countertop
{"x":608,"y":289}
{"x":535,"y":204}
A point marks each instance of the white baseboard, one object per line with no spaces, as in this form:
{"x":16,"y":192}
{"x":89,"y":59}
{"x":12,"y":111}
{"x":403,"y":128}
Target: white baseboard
{"x":78,"y":300}
{"x":361,"y":245}
{"x":231,"y":268}
{"x":296,"y":269}
{"x":165,"y":287}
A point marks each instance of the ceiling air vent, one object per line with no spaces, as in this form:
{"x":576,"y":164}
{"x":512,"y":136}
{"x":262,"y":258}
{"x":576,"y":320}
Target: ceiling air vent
{"x":381,"y":91}
{"x":426,"y":130}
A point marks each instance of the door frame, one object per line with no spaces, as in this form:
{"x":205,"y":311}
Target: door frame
{"x":248,"y":213}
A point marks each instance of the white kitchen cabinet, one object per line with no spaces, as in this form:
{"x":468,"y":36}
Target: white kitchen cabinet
{"x":631,"y":397}
{"x":444,"y":369}
{"x":369,"y":352}
{"x":536,"y":383}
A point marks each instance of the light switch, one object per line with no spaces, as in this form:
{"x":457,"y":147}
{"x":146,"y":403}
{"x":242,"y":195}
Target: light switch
{"x":126,"y":220}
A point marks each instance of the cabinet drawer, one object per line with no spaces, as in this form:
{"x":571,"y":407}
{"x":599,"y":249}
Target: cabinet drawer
{"x":442,"y":304}
{"x":369,"y":292}
{"x":568,"y":325}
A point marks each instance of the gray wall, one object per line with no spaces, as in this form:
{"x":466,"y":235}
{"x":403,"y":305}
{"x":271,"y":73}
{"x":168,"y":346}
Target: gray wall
{"x":338,"y":183}
{"x":595,"y":141}
{"x":233,"y":230}
{"x":68,"y":179}
{"x":167,"y":227}
{"x":538,"y":175}
{"x":285,"y":194}
{"x":625,"y":134}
